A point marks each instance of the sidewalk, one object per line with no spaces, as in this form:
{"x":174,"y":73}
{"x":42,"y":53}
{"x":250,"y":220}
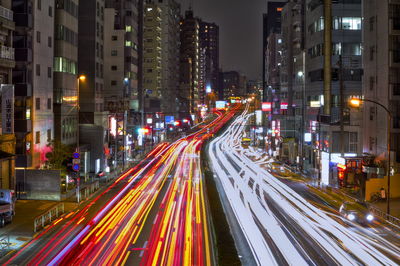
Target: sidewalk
{"x":21,"y":230}
{"x":313,"y":181}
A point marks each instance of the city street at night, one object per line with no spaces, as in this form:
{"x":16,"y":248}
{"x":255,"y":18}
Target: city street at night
{"x":199,"y":132}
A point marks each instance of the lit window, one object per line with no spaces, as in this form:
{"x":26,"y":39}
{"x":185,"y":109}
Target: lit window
{"x":128,"y":28}
{"x":128,"y":43}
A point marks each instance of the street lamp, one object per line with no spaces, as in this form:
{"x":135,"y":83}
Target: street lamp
{"x":81,"y":78}
{"x":356,"y":103}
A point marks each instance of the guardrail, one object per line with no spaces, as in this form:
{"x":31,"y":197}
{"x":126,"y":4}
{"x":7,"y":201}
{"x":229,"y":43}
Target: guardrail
{"x":89,"y":190}
{"x":46,"y":218}
{"x":4,"y":242}
{"x":382,"y":214}
{"x":376,"y":211}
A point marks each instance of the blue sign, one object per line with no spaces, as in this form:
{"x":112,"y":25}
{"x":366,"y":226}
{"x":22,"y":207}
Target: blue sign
{"x":169,"y":119}
{"x":76,"y":167}
{"x":76,"y":155}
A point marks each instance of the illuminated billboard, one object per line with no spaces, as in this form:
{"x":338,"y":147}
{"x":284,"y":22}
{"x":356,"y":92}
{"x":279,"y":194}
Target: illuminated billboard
{"x":266,"y":106}
{"x":220,"y":104}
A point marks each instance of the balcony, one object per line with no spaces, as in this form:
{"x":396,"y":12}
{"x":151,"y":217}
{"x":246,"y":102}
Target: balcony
{"x":23,"y":20}
{"x":23,"y":54}
{"x":7,"y":53}
{"x":22,"y":125}
{"x":23,"y":90}
{"x":6,"y":13}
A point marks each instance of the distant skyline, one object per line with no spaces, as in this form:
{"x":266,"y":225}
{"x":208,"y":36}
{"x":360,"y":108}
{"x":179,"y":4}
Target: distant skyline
{"x":240,"y":26}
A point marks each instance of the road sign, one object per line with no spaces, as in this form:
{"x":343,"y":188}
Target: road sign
{"x":76,"y":161}
{"x":76,"y":155}
{"x":76,"y":167}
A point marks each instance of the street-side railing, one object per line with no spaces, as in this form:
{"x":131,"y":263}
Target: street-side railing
{"x":383,"y":215}
{"x":5,"y":242}
{"x":376,"y":211}
{"x":89,"y":190}
{"x":46,"y":218}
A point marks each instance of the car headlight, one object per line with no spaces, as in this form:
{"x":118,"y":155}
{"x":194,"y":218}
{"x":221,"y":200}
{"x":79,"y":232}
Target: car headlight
{"x":351,"y":217}
{"x":370,"y":217}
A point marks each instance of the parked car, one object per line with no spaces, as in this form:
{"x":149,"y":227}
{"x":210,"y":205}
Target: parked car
{"x":7,"y":206}
{"x":356,"y":212}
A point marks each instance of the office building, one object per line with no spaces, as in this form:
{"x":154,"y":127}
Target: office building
{"x":65,"y":104}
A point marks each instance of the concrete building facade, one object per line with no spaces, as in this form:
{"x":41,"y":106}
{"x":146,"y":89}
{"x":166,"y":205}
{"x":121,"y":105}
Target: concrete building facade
{"x":93,"y":118}
{"x":34,"y":37}
{"x":381,"y":80}
{"x":346,"y":45}
{"x":7,"y":63}
{"x":65,"y":104}
{"x":189,"y":63}
{"x":209,"y":47}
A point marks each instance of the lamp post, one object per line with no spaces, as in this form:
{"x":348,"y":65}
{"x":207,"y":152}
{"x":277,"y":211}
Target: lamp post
{"x":81,"y":78}
{"x":355,"y":102}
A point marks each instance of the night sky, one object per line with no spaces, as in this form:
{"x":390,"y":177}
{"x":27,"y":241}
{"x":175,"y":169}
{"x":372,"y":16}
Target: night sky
{"x":240,"y":23}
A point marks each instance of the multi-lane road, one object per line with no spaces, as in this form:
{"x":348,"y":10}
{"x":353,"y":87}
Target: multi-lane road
{"x":154,"y":214}
{"x":282,"y":222}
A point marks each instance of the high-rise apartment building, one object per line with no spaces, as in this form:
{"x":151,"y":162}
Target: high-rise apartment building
{"x":65,"y":71}
{"x":33,"y":76}
{"x":152,"y":64}
{"x":292,"y":79}
{"x":271,"y":24}
{"x":7,"y":63}
{"x":209,"y":48}
{"x":190,"y":64}
{"x":93,"y":118}
{"x":325,"y":137}
{"x":170,"y":43}
{"x":381,"y":79}
{"x":121,"y":73}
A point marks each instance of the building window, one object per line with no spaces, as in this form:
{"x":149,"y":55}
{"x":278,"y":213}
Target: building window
{"x":49,"y":72}
{"x":37,"y":70}
{"x":128,"y":43}
{"x":50,"y":11}
{"x":128,"y":28}
{"x":353,"y":139}
{"x":49,"y":41}
{"x":114,"y":68}
{"x":114,"y":38}
{"x":113,"y":83}
{"x":37,"y":103}
{"x":48,"y":135}
{"x":371,"y":113}
{"x":38,"y":36}
{"x":49,"y":103}
{"x":371,"y":143}
{"x":39,"y":4}
{"x":371,"y":53}
{"x":371,"y":83}
{"x":37,"y":137}
{"x":114,"y":53}
{"x":371,"y":23}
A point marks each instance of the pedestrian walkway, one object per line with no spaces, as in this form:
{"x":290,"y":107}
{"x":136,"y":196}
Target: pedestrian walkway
{"x":21,"y":230}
